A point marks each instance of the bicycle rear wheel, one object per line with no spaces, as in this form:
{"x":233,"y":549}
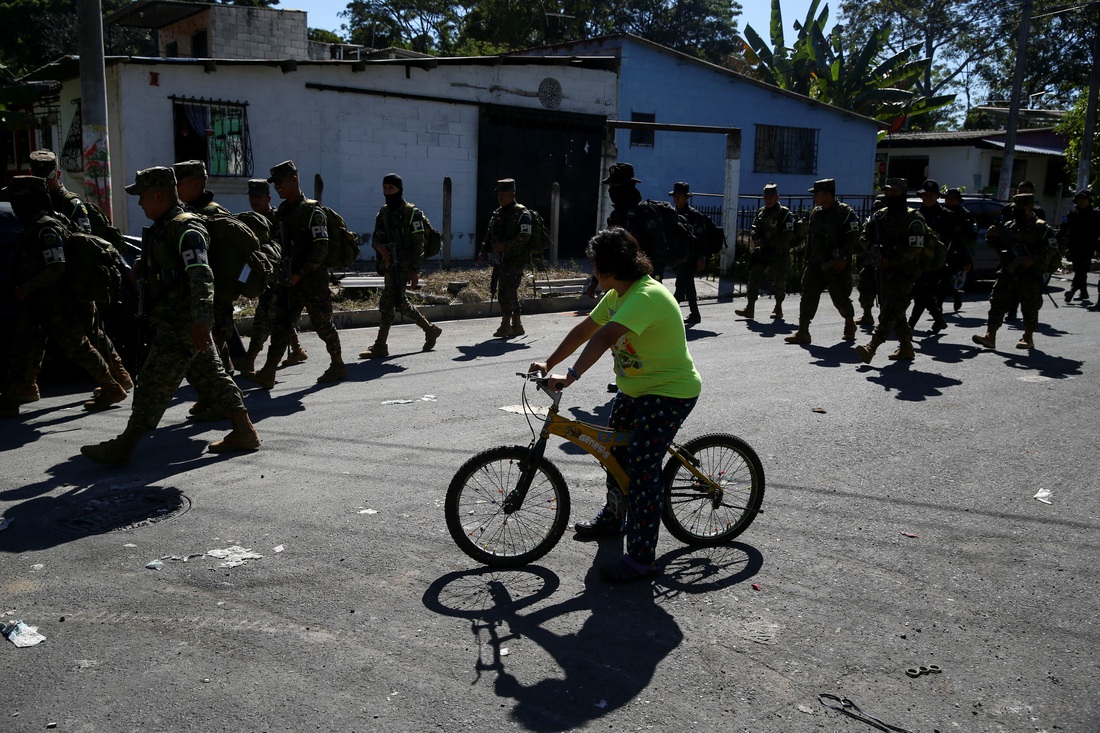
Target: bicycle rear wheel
{"x":490,"y":532}
{"x":697,"y":513}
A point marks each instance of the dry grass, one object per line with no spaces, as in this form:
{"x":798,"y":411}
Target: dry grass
{"x":434,"y":285}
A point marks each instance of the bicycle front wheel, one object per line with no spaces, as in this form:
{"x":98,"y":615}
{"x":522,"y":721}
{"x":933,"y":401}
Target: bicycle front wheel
{"x":705,"y":514}
{"x":482,"y":512}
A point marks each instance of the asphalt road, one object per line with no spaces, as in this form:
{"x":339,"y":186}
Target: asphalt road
{"x":899,"y":530}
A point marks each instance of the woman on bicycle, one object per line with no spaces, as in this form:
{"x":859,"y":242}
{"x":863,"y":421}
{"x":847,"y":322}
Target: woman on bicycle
{"x":640,"y":322}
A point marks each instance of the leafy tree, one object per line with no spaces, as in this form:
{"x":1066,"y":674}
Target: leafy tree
{"x":870,"y":79}
{"x":324,"y":36}
{"x":1073,"y":127}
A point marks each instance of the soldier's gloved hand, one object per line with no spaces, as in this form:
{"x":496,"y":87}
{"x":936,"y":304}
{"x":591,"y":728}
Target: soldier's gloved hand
{"x":200,"y":337}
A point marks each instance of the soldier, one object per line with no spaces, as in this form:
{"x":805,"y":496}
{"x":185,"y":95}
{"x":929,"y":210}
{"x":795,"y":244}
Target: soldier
{"x":698,"y":226}
{"x":959,"y":261}
{"x":895,"y":235}
{"x":49,"y":308}
{"x":75,"y":213}
{"x":191,"y":187}
{"x":771,"y":235}
{"x":506,"y":241}
{"x":1008,"y":214}
{"x":302,"y":230}
{"x":62,"y":200}
{"x":1027,"y":243}
{"x":259,"y":200}
{"x":832,"y":239}
{"x":400,"y":233}
{"x":867,"y":277}
{"x":641,"y":221}
{"x":179,"y":298}
{"x":1079,"y":235}
{"x":926,"y":290}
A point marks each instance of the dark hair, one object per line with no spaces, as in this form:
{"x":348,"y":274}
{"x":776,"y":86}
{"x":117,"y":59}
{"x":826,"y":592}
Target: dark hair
{"x":615,"y":252}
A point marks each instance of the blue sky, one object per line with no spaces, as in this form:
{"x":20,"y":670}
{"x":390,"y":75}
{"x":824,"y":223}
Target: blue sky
{"x":757,"y":13}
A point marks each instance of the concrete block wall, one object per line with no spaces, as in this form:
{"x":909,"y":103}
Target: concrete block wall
{"x":258,"y":33}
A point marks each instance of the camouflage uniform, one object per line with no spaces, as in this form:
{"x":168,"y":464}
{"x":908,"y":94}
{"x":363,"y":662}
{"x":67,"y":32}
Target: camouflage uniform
{"x":403,"y":231}
{"x":509,"y":226}
{"x":772,"y":232}
{"x":1026,"y":250}
{"x":833,"y":234}
{"x":896,"y":240}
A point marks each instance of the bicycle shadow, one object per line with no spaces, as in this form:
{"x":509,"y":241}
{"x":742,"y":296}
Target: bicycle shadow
{"x":610,"y":659}
{"x":492,"y":347}
{"x":602,"y":665}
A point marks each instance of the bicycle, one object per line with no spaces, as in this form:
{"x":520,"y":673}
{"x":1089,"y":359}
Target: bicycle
{"x":509,"y":506}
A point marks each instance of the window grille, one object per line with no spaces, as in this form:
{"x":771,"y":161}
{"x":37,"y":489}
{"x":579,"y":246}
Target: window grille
{"x":785,"y":150}
{"x":215,"y":132}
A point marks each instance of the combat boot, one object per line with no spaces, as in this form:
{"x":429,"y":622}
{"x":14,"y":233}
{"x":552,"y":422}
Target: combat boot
{"x":1026,"y":341}
{"x":337,"y":372}
{"x":777,"y":311}
{"x":505,"y":330}
{"x":987,"y":339}
{"x":904,"y":352}
{"x":749,"y":311}
{"x":114,"y":452}
{"x":431,"y":335}
{"x":1069,"y":294}
{"x":248,"y":364}
{"x":265,"y":377}
{"x":517,"y":325}
{"x":849,"y":329}
{"x":109,"y":393}
{"x":297,"y":355}
{"x":119,"y":373}
{"x":801,"y":336}
{"x":867,"y":352}
{"x":867,"y":319}
{"x":26,"y":393}
{"x":379,"y":350}
{"x":243,"y":436}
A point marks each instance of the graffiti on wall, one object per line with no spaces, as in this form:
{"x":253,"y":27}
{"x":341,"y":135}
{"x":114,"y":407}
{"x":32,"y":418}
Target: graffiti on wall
{"x":97,"y":166}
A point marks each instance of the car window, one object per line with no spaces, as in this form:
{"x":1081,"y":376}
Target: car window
{"x":10,"y":228}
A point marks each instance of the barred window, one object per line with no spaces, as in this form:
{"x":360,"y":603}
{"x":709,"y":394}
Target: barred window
{"x":785,"y":150}
{"x":642,"y":138}
{"x":215,"y":132}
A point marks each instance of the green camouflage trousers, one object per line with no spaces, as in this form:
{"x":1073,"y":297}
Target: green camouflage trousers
{"x":816,"y":280}
{"x":69,"y":323}
{"x":312,"y":295}
{"x":171,"y":357}
{"x":394,"y":298}
{"x":893,"y":303}
{"x":1023,"y":286}
{"x":778,"y":262}
{"x":511,"y":275}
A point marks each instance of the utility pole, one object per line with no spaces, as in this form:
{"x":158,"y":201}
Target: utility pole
{"x":93,"y":106}
{"x":1084,"y":166}
{"x":1005,"y":182}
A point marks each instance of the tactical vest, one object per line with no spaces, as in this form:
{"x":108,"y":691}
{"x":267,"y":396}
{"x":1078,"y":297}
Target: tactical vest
{"x":164,"y":268}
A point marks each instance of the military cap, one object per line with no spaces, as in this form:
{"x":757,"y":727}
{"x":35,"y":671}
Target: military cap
{"x":258,"y":187}
{"x":286,"y":169}
{"x":43,"y":163}
{"x":23,"y":186}
{"x":1084,"y":193}
{"x":188,"y":169}
{"x":506,"y":185}
{"x":771,"y":189}
{"x":828,"y":185}
{"x":897,"y":184}
{"x":619,"y":174}
{"x":680,"y":187}
{"x":930,"y":186}
{"x":1026,"y":184}
{"x":158,"y":177}
{"x":1023,"y":199}
{"x":956,"y":192}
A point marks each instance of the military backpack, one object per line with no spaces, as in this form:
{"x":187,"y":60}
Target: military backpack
{"x":263,"y":266}
{"x":234,"y":255}
{"x":539,"y":243}
{"x":343,"y":244}
{"x":93,"y":268}
{"x":678,"y":237}
{"x":433,"y":240}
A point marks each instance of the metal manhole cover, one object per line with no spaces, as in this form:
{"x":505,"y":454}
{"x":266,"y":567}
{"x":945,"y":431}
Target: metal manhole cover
{"x":119,"y":511}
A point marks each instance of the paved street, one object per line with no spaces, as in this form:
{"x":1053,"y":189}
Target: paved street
{"x":899,"y":530}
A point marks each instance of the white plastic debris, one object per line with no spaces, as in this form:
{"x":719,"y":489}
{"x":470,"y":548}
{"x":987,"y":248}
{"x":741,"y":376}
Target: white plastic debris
{"x":4,"y":523}
{"x":368,"y":511}
{"x":397,"y":402}
{"x":154,"y":565}
{"x":428,"y":398}
{"x":1043,"y":495}
{"x":22,"y":635}
{"x":234,"y":556}
{"x":278,"y":548}
{"x":504,"y":651}
{"x":602,"y":704}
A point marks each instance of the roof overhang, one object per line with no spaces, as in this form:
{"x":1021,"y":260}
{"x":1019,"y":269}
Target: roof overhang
{"x":154,"y":14}
{"x":1026,"y":149}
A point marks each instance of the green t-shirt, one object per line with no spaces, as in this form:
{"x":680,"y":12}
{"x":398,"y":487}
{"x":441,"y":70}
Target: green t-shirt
{"x":652,"y":358}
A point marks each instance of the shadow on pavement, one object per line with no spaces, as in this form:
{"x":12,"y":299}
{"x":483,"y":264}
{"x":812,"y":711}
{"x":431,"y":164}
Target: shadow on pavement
{"x":831,"y":356}
{"x":908,"y":384}
{"x":493,"y":347}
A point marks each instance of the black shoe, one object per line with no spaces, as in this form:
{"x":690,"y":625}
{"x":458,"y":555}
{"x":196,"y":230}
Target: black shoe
{"x":692,"y":319}
{"x":612,"y":387}
{"x":1069,"y":295}
{"x":597,"y":528}
{"x":958,"y":300}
